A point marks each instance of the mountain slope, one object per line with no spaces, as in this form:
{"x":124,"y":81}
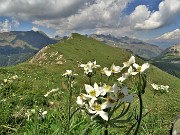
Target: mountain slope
{"x":138,"y":47}
{"x":44,"y":72}
{"x":169,"y":60}
{"x":18,"y":46}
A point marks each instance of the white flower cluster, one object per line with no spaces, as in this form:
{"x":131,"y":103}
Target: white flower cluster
{"x":99,"y":98}
{"x":88,"y":68}
{"x":30,"y":112}
{"x":10,"y":79}
{"x":160,"y":88}
{"x":133,"y":68}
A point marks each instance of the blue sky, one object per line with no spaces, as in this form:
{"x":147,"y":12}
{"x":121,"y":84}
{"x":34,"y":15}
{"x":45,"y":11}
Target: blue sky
{"x":142,"y":19}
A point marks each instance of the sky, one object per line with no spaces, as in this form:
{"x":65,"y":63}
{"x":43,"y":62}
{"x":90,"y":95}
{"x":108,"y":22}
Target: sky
{"x":142,"y":19}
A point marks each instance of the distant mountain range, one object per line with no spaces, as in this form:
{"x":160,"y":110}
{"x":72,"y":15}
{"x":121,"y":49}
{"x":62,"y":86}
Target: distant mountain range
{"x":138,"y":47}
{"x":169,"y":60}
{"x":167,"y":39}
{"x":18,"y":46}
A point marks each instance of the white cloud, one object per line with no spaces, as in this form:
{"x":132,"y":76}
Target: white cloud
{"x":35,"y":29}
{"x":41,"y":9}
{"x":8,"y":24}
{"x":173,"y":35}
{"x":168,"y":13}
{"x":140,"y":14}
{"x":101,"y":16}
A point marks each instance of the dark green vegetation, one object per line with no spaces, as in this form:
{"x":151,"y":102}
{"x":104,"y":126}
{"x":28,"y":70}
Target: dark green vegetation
{"x":44,"y":72}
{"x":138,"y":47}
{"x":169,"y":60}
{"x":17,"y":46}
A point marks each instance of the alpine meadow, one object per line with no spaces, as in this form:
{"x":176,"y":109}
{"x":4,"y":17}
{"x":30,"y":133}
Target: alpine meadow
{"x":55,"y":92}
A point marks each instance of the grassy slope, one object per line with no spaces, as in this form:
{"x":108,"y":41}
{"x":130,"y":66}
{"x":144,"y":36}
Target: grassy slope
{"x":35,"y":80}
{"x":169,"y":63}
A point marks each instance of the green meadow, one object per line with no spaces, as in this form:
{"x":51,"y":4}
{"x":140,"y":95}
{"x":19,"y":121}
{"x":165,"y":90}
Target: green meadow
{"x":22,"y":100}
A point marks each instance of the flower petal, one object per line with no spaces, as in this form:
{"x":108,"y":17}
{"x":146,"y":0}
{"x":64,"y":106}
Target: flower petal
{"x":144,"y":67}
{"x":88,"y":88}
{"x":103,"y":114}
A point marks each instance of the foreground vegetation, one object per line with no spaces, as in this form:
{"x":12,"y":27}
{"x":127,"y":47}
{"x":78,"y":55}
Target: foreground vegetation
{"x":26,"y":110}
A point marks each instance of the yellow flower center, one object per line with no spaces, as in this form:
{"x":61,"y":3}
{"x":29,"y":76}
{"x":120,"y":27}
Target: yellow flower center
{"x":97,"y":107}
{"x":102,"y":71}
{"x":113,"y":70}
{"x":139,"y":69}
{"x":92,"y":93}
{"x":107,"y":87}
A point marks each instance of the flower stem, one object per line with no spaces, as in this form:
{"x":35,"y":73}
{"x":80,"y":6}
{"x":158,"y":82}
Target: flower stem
{"x":140,"y":114}
{"x":90,"y":81}
{"x":106,"y":130}
{"x":69,"y":103}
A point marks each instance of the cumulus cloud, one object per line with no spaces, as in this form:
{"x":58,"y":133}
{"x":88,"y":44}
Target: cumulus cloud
{"x":41,"y":9}
{"x":7,"y":25}
{"x":100,"y":16}
{"x":168,"y":13}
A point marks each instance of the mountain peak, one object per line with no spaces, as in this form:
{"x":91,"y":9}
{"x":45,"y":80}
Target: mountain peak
{"x":137,"y":46}
{"x":175,"y":50}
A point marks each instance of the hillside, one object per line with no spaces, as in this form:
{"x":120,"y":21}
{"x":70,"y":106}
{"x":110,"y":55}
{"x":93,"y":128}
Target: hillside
{"x":138,"y":47}
{"x":18,"y":46}
{"x":169,"y":60}
{"x":44,"y":72}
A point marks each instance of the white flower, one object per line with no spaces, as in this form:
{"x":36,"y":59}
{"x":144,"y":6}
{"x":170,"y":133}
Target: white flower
{"x":67,"y":73}
{"x":126,"y":75}
{"x":14,"y":77}
{"x":5,"y":80}
{"x":44,"y":114}
{"x":106,"y":71}
{"x":129,"y":62}
{"x":107,"y":88}
{"x":141,"y":68}
{"x":115,"y":69}
{"x":49,"y":92}
{"x":155,"y":86}
{"x":110,"y":102}
{"x":80,"y":99}
{"x":97,"y":109}
{"x":164,"y":88}
{"x":122,"y":78}
{"x":123,"y":94}
{"x":93,"y":92}
{"x":88,"y":68}
{"x":94,"y":65}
